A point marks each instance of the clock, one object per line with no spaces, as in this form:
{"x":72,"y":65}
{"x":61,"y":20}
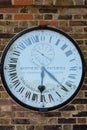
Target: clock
{"x":42,"y":68}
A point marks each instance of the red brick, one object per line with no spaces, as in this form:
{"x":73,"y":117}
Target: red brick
{"x":53,"y":23}
{"x":23,"y":17}
{"x":22,"y":2}
{"x":9,"y":10}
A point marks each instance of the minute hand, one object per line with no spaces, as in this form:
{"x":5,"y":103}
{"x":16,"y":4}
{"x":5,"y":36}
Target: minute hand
{"x":53,"y":77}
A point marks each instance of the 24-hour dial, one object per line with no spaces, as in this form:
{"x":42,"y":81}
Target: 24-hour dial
{"x":42,"y":68}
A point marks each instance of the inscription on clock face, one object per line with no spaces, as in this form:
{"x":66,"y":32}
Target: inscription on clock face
{"x":42,"y":69}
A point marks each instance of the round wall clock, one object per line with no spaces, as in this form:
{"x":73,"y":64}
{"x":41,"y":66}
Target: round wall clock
{"x":42,"y":68}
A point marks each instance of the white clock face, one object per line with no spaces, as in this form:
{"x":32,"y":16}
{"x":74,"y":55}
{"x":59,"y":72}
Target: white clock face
{"x":42,"y":69}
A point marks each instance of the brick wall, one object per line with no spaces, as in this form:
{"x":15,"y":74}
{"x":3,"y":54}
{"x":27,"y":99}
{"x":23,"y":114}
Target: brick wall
{"x":68,"y":15}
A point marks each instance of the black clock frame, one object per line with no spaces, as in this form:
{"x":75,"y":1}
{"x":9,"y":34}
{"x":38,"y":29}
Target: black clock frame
{"x":43,"y":27}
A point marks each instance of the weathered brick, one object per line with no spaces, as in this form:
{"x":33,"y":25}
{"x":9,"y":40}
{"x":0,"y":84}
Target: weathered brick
{"x":1,"y":16}
{"x":79,"y":2}
{"x":64,"y":2}
{"x":79,"y":36}
{"x":53,"y":23}
{"x":66,"y":17}
{"x":52,"y":114}
{"x":80,"y":114}
{"x":24,"y":10}
{"x":48,"y":16}
{"x":6,"y":35}
{"x":23,"y":17}
{"x":20,"y":127}
{"x":78,"y":23}
{"x":20,"y":121}
{"x":79,"y":101}
{"x":6,"y":102}
{"x":48,"y":10}
{"x":52,"y":127}
{"x":85,"y":2}
{"x":69,"y":120}
{"x":8,"y":17}
{"x":32,"y":128}
{"x":5,"y":3}
{"x":9,"y":10}
{"x":68,"y":108}
{"x":38,"y":128}
{"x":4,"y":121}
{"x":81,"y":120}
{"x":22,"y":2}
{"x":80,"y":127}
{"x":7,"y":127}
{"x":80,"y":107}
{"x":38,"y":2}
{"x":67,"y":127}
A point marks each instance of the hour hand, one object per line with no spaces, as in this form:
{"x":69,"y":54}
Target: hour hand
{"x":42,"y":87}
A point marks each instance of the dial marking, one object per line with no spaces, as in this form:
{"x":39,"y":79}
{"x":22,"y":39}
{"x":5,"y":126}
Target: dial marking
{"x":64,"y":47}
{"x":13,"y":60}
{"x":21,"y":89}
{"x":50,"y":97}
{"x":27,"y":94}
{"x":57,"y":42}
{"x":21,"y":46}
{"x":68,"y":83}
{"x":72,"y":76}
{"x":17,"y":53}
{"x":58,"y":94}
{"x":35,"y":97}
{"x":34,"y":39}
{"x":42,"y":98}
{"x":68,"y":53}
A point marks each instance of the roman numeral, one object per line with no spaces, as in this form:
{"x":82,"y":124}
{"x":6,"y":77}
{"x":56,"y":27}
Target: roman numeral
{"x":42,"y":98}
{"x":21,"y":46}
{"x":16,"y":83}
{"x":69,"y":83}
{"x":64,"y":47}
{"x":73,"y":68}
{"x":57,"y":42}
{"x":21,"y":89}
{"x":72,"y":76}
{"x":34,"y":38}
{"x":34,"y":97}
{"x":13,"y":60}
{"x":12,"y":67}
{"x":17,"y":53}
{"x":13,"y":75}
{"x":58,"y":94}
{"x":68,"y":53}
{"x":27,"y":95}
{"x":50,"y":97}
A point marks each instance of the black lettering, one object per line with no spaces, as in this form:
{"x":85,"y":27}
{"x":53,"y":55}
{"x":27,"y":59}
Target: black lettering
{"x":43,"y":98}
{"x":68,"y":53}
{"x":17,"y":53}
{"x":28,"y":94}
{"x":35,"y":97}
{"x":35,"y":38}
{"x":57,"y":42}
{"x":22,"y":46}
{"x":21,"y":89}
{"x":50,"y":97}
{"x":64,"y":47}
{"x":58,"y":94}
{"x":13,"y":60}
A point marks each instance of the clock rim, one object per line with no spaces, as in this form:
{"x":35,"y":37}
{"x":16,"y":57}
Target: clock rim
{"x":42,"y":27}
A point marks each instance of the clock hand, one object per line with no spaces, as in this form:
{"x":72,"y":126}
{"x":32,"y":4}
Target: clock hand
{"x":43,"y":55}
{"x":54,"y":78}
{"x":42,"y":75}
{"x":42,"y":87}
